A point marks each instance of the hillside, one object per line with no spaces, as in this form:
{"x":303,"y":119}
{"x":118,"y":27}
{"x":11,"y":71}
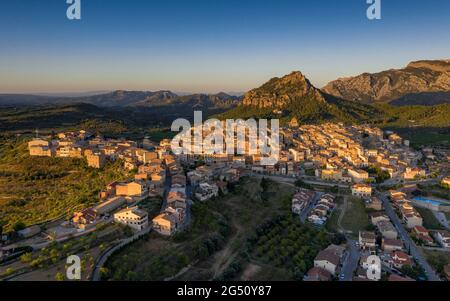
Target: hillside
{"x":293,"y":96}
{"x":419,"y":83}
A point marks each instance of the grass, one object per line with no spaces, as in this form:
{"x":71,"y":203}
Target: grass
{"x":437,"y":259}
{"x":429,"y":220}
{"x":332,"y":222}
{"x":217,"y":235}
{"x":34,"y":190}
{"x":355,"y":217}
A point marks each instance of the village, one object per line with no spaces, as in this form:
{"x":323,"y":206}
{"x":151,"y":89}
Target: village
{"x":330,"y":161}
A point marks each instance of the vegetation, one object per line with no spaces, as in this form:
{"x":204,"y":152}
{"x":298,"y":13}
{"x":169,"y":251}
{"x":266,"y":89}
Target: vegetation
{"x":429,"y":220}
{"x":355,"y":217}
{"x":285,"y":243}
{"x":46,"y":188}
{"x":380,"y":175}
{"x":212,"y":246}
{"x":437,"y":259}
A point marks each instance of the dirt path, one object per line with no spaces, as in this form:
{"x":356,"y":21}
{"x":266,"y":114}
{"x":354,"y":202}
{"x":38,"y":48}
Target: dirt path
{"x":341,"y":215}
{"x":225,"y":257}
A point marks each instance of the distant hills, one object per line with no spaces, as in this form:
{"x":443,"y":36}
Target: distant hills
{"x":414,"y":97}
{"x":120,"y":98}
{"x":419,"y":83}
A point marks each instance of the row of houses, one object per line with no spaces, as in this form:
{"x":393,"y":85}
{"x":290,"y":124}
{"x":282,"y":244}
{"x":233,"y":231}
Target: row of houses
{"x":301,"y":199}
{"x":321,"y":211}
{"x":173,"y":214}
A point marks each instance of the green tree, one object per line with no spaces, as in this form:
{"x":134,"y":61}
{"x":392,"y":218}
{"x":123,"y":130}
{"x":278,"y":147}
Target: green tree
{"x":19,"y":226}
{"x":60,"y":277}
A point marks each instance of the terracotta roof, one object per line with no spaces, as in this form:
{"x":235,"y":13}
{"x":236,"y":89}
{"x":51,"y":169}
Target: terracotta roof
{"x":329,"y":256}
{"x":318,"y":274}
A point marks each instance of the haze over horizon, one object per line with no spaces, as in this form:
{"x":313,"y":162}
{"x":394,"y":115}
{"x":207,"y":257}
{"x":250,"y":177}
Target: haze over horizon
{"x":209,"y":47}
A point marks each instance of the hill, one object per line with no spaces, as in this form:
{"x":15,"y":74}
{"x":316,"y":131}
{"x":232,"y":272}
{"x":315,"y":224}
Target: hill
{"x":419,"y":83}
{"x":293,"y":96}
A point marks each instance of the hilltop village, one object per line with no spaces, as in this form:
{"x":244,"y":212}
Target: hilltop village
{"x":363,"y":163}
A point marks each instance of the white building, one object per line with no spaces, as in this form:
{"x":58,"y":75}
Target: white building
{"x":133,"y":217}
{"x":362,"y":190}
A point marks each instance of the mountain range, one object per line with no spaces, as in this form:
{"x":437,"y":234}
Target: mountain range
{"x":121,"y":98}
{"x":419,"y":83}
{"x":412,"y":97}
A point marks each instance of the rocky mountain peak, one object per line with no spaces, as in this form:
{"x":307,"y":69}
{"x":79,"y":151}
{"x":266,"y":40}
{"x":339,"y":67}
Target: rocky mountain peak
{"x":278,"y":93}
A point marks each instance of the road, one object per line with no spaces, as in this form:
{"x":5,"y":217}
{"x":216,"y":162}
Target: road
{"x":409,"y":244}
{"x":351,"y":260}
{"x":101,"y":261}
{"x":304,"y":214}
{"x":292,"y":180}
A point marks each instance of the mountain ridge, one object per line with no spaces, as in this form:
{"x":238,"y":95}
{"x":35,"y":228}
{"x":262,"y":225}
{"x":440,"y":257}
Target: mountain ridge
{"x":393,"y":85}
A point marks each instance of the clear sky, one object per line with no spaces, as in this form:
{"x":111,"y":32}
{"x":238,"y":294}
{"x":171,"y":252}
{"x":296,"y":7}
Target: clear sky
{"x":209,"y":46}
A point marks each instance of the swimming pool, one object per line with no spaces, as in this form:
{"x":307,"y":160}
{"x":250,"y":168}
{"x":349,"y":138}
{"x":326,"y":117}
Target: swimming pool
{"x":428,"y":201}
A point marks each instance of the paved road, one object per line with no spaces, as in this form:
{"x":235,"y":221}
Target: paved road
{"x":409,"y":244}
{"x":351,"y":260}
{"x":304,"y":214}
{"x":287,"y":180}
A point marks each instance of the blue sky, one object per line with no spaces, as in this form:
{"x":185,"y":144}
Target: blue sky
{"x":209,"y":46}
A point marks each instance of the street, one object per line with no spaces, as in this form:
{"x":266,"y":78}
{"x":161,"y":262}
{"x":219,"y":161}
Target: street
{"x":409,"y":244}
{"x":350,"y":263}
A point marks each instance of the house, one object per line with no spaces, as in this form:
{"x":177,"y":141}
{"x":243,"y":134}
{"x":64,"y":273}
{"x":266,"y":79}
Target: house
{"x":318,"y":274}
{"x":400,"y":259}
{"x":358,"y":175}
{"x":443,"y":237}
{"x":389,"y":245}
{"x":338,"y":250}
{"x":387,"y":229}
{"x":413,"y":173}
{"x":316,"y":220}
{"x":96,"y":160}
{"x":362,"y":190}
{"x":367,"y":240}
{"x":165,"y":223}
{"x":422,"y":235}
{"x":331,"y":175}
{"x":40,"y":148}
{"x":85,"y":219}
{"x":377,"y":217}
{"x":321,"y":210}
{"x":327,"y":260}
{"x":133,"y":189}
{"x":206,"y":191}
{"x":133,"y":217}
{"x":412,"y":218}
